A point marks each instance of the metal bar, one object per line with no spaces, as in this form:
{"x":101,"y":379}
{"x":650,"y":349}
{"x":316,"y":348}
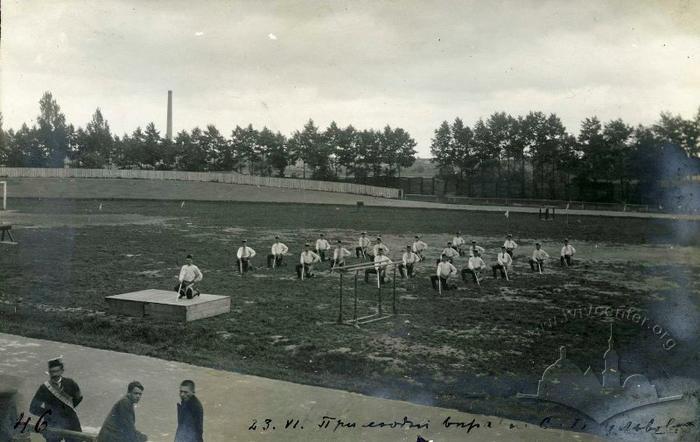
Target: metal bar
{"x":354,"y":314}
{"x":340,"y":310}
{"x":393,"y":302}
{"x":379,"y":294}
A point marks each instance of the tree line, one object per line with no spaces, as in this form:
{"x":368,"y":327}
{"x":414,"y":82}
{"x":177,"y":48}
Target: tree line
{"x":323,"y":154}
{"x":534,"y":156}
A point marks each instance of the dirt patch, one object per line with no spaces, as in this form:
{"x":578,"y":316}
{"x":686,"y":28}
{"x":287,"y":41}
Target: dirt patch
{"x":41,"y":220}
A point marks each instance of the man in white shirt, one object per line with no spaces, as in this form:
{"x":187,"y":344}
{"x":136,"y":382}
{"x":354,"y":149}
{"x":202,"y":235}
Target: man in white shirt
{"x":408,"y":260}
{"x":381,"y":262}
{"x":449,"y":252}
{"x":475,"y":266}
{"x":244,"y":255}
{"x":379,"y":245}
{"x":445,"y":269}
{"x":567,"y":254}
{"x":538,"y":258}
{"x":339,"y":255}
{"x":277,"y":252}
{"x":510,"y":245}
{"x":418,"y":247}
{"x":306,"y":261}
{"x":458,"y":243}
{"x":362,"y":246}
{"x":189,"y":275}
{"x":322,"y":246}
{"x":503,"y":264}
{"x":476,"y":248}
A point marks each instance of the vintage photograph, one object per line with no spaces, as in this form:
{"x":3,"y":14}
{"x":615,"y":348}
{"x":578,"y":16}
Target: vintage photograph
{"x":321,"y":220}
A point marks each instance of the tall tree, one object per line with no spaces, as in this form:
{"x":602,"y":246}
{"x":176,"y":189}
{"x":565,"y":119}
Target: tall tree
{"x":94,"y":145}
{"x":52,"y":131}
{"x":273,"y":151}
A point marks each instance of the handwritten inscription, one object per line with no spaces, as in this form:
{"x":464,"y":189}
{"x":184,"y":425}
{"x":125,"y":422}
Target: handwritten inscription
{"x":39,"y":426}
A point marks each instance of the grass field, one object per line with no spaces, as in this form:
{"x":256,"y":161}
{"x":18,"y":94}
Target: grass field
{"x":471,"y":349}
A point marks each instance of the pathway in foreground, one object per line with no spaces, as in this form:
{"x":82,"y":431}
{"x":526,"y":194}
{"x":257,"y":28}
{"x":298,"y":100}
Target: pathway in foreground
{"x":232,"y":401}
{"x":94,"y":188}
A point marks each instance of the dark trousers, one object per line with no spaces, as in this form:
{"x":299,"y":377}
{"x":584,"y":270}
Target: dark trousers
{"x":409,"y":270}
{"x":466,"y":272}
{"x":566,"y":260}
{"x":322,"y":254}
{"x":335,"y":263}
{"x":244,"y":265}
{"x":186,"y":289}
{"x":307,"y":271}
{"x":510,"y":252}
{"x":495,"y":268}
{"x":382,"y":274}
{"x":443,"y":283}
{"x":533,"y":265}
{"x":278,"y":260}
{"x":358,"y":252}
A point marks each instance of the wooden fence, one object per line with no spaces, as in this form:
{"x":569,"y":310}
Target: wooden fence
{"x":218,"y":177}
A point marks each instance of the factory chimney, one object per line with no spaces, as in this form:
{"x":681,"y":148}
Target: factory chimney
{"x":169,"y":130}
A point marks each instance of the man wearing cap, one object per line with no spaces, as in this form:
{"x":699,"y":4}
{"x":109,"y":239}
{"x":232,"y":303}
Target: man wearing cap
{"x":379,"y":245}
{"x":55,"y":401}
{"x":120,"y":424}
{"x":475,"y":248}
{"x":458,"y":243}
{"x":190,"y":415}
{"x":408,"y":260}
{"x":189,"y":275}
{"x":362,"y":245}
{"x":538,"y":257}
{"x":503,"y":264}
{"x":510,"y":245}
{"x":322,"y":246}
{"x":339,"y":255}
{"x":244,"y":255}
{"x":449,"y":252}
{"x":307,"y":259}
{"x":445,"y":269}
{"x":418,"y":247}
{"x":475,"y":266}
{"x":381,"y":262}
{"x":567,"y":254}
{"x":277,"y":252}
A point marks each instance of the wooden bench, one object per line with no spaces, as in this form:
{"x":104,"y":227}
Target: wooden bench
{"x":6,"y":229}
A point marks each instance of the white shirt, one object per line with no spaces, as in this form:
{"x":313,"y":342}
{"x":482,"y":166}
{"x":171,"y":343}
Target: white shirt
{"x":476,"y":263}
{"x":363,"y":242}
{"x":504,"y":259}
{"x":479,"y":248}
{"x":340,"y":253}
{"x":322,"y":244}
{"x":510,"y":244}
{"x":457,"y":241}
{"x":450,"y":252}
{"x":381,"y":259}
{"x":568,"y":250}
{"x":190,"y":272}
{"x":279,"y":248}
{"x":245,"y":252}
{"x":445,"y":269}
{"x":378,"y":246}
{"x":309,"y":257}
{"x":539,"y":255}
{"x":419,"y":246}
{"x":409,"y":258}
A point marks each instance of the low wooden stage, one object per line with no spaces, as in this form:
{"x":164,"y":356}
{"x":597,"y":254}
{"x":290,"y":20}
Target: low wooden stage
{"x":163,"y":304}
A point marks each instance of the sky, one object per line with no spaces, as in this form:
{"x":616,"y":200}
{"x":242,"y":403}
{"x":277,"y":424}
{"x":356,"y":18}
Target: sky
{"x":409,"y":64}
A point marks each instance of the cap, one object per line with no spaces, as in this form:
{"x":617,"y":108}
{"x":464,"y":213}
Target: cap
{"x":449,"y":242}
{"x":538,"y":244}
{"x":306,"y":244}
{"x":245,"y":240}
{"x":277,"y":237}
{"x":473,"y":241}
{"x":379,"y":238}
{"x":509,"y":235}
{"x":417,"y":236}
{"x":321,"y":234}
{"x":189,"y":257}
{"x":364,"y":233}
{"x":55,"y":362}
{"x":339,"y":241}
{"x":408,"y":247}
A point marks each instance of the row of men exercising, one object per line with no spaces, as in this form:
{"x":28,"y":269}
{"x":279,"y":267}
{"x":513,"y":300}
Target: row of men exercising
{"x":377,"y":254}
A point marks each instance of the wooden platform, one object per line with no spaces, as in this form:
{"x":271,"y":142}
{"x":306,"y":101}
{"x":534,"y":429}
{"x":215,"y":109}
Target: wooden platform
{"x":163,"y":304}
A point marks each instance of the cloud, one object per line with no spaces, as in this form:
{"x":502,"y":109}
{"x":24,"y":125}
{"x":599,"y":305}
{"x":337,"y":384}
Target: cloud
{"x":367,"y":63}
